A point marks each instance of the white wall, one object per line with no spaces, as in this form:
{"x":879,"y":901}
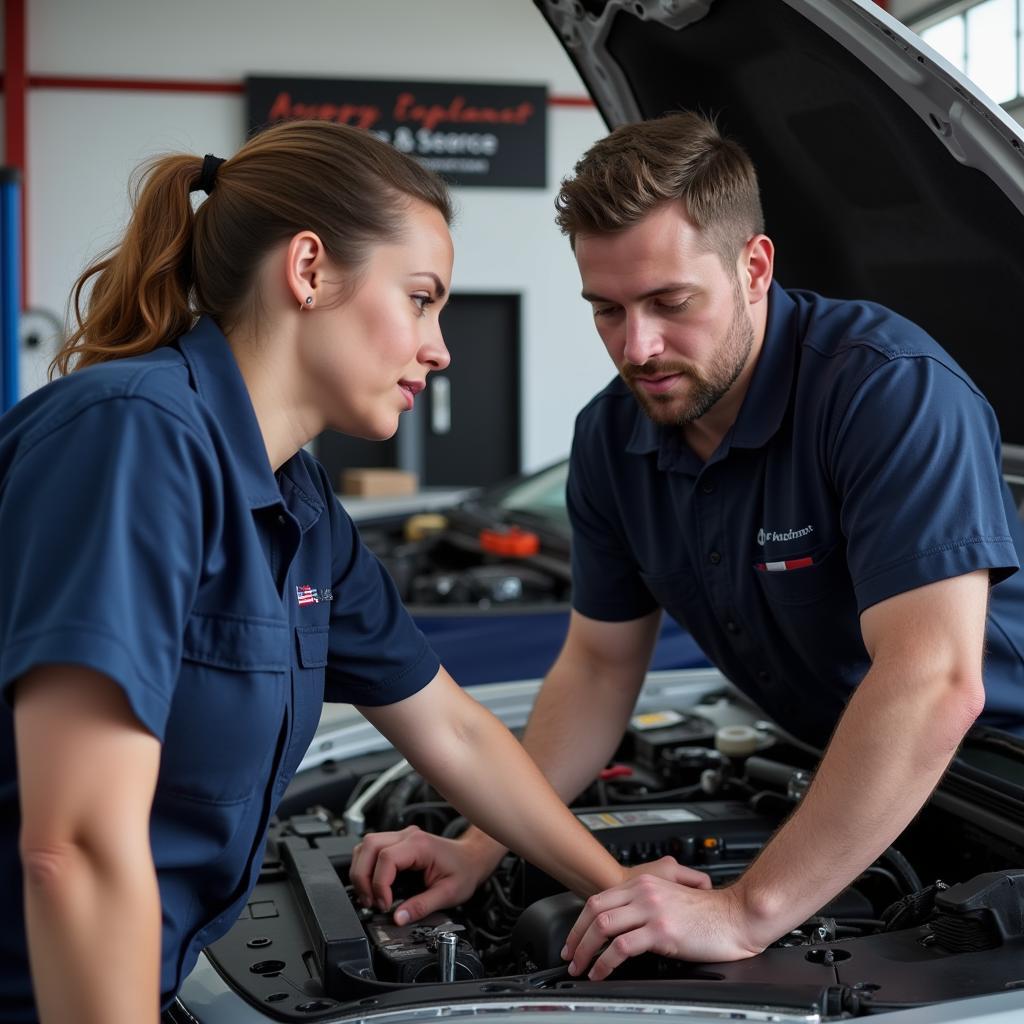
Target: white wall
{"x":83,"y":145}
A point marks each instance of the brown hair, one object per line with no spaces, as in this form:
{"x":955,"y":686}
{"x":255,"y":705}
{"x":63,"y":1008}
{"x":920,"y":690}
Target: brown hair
{"x":174,"y":264}
{"x":681,"y":156}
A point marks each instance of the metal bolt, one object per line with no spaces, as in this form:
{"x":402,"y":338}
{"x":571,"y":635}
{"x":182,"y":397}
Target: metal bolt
{"x":446,"y":945}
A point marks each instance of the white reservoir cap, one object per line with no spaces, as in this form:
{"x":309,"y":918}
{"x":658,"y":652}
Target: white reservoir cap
{"x":737,"y":740}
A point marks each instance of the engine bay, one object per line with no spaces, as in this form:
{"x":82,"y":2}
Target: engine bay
{"x":475,"y":556}
{"x":939,"y":916}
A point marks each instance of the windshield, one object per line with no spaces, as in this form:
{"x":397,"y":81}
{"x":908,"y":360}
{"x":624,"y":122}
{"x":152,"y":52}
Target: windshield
{"x":542,"y":495}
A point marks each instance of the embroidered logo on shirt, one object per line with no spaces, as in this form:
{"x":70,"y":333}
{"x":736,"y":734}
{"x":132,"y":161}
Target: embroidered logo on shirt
{"x":763,"y":535}
{"x":305,"y":594}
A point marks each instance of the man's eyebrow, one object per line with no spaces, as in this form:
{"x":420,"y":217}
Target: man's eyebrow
{"x":438,"y":287}
{"x":664,"y":289}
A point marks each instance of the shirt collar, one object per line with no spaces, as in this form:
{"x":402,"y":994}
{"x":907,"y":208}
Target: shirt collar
{"x":218,"y":380}
{"x":768,"y":393}
{"x":764,"y":404}
{"x":648,"y":437}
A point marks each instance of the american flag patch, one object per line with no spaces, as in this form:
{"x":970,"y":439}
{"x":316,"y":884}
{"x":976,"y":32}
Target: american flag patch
{"x":306,"y":595}
{"x":792,"y":563}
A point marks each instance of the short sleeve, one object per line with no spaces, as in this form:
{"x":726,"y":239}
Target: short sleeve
{"x":606,"y":584}
{"x":100,"y":548}
{"x":376,"y":654}
{"x":917,"y":466}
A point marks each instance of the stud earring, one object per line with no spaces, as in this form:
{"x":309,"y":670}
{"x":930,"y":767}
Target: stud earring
{"x":309,"y":300}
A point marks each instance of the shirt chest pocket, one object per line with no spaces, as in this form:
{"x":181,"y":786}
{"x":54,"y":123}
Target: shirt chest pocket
{"x":229,"y":706}
{"x":803,"y":579}
{"x":311,"y":662}
{"x":312,"y":644}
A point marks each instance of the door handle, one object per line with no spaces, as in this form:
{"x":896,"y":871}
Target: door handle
{"x":441,"y":405}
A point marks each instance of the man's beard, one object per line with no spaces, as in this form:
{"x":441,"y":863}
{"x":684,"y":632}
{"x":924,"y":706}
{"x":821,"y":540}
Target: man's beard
{"x":705,"y":388}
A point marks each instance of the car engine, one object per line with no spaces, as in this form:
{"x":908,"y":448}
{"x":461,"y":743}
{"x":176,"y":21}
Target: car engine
{"x":940,"y":915}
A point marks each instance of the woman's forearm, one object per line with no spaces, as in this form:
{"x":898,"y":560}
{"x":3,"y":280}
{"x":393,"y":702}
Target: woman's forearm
{"x":480,"y":767}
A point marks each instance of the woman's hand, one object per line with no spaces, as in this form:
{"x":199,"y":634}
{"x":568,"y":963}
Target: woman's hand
{"x":671,"y":870}
{"x":452,"y":870}
{"x":478,"y":766}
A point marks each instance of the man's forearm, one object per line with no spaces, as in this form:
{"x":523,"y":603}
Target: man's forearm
{"x":891,"y":748}
{"x":576,"y":724}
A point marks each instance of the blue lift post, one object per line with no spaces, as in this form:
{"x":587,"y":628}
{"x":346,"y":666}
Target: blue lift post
{"x":10,"y":283}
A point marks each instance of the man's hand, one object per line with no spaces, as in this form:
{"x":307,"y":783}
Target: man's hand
{"x":899,"y":731}
{"x":452,"y":870}
{"x":648,"y":914}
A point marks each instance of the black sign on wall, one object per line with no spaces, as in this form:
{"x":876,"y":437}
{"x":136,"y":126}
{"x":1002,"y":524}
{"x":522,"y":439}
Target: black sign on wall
{"x":471,"y":134}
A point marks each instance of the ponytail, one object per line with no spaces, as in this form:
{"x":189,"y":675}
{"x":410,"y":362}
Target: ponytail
{"x":141,"y":287}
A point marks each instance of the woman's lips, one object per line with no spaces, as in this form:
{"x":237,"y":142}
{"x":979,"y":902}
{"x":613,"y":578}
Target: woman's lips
{"x":410,"y":389}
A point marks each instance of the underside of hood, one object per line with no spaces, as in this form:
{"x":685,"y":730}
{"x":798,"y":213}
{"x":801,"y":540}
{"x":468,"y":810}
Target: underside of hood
{"x":884,"y":173}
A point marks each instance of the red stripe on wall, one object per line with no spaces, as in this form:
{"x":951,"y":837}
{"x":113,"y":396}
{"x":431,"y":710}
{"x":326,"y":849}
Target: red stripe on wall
{"x":179,"y":85}
{"x":133,"y":84}
{"x":570,"y":101}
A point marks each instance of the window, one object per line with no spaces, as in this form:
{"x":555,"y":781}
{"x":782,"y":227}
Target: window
{"x":983,"y":40}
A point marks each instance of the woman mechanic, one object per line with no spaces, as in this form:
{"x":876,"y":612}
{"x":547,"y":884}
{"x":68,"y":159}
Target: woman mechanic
{"x":180,"y":588}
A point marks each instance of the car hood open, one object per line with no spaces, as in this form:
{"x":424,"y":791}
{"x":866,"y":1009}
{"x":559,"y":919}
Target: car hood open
{"x":885,"y":173}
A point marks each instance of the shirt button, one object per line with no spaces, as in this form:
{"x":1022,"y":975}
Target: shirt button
{"x":708,"y":488}
{"x":714,"y":558}
{"x":281,"y":519}
{"x":732,"y":627}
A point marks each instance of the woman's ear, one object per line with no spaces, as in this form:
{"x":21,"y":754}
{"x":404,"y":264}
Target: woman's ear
{"x":304,"y":266}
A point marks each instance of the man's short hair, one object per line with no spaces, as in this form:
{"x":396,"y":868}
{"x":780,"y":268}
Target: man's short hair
{"x":638,"y":167}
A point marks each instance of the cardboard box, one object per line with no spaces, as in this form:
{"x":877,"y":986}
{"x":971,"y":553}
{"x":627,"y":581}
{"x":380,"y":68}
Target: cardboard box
{"x":378,"y":483}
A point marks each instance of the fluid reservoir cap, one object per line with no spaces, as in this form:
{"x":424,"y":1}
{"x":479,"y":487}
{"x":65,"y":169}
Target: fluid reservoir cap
{"x":511,"y":542}
{"x":423,"y":525}
{"x":655,"y":720}
{"x":737,"y":740}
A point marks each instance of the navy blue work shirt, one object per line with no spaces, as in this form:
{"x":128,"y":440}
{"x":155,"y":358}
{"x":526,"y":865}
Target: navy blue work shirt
{"x":144,"y":535}
{"x":863,"y":463}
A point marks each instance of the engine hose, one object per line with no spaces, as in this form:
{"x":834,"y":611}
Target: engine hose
{"x":455,"y":828}
{"x":883,"y":872}
{"x":394,"y":805}
{"x":361,"y":787}
{"x":902,"y":869}
{"x":499,"y":894}
{"x":624,"y":792}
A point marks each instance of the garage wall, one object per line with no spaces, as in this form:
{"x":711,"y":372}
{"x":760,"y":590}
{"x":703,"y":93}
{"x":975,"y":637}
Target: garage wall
{"x":83,"y":145}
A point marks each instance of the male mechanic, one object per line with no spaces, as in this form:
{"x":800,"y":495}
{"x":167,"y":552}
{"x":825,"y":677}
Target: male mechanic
{"x":813,"y":488}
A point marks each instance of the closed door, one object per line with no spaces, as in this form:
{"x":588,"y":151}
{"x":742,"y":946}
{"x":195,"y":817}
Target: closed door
{"x":471,"y":429}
